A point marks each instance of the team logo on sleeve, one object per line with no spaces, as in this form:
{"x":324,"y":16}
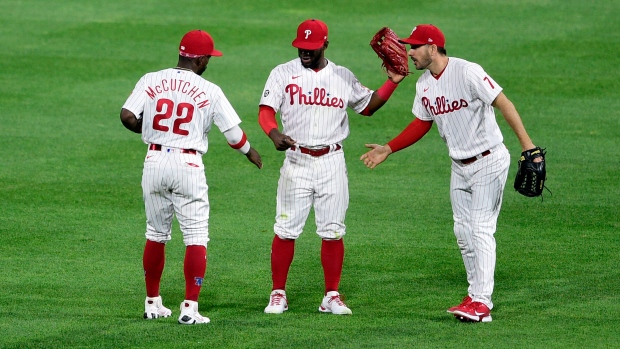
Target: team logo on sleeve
{"x":266,"y":93}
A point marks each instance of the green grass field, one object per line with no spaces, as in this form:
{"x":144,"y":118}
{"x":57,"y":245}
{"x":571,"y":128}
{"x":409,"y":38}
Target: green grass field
{"x":72,"y":217}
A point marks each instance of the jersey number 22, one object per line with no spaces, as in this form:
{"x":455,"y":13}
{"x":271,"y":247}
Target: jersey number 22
{"x":165,"y":108}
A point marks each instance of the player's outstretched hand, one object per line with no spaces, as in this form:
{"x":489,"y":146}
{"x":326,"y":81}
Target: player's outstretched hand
{"x":254,"y":157}
{"x":377,"y":155}
{"x":280,"y":140}
{"x":395,"y":77}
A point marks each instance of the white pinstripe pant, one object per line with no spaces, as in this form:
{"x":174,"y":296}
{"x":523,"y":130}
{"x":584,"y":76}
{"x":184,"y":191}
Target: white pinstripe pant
{"x":175,"y":183}
{"x":307,"y":181}
{"x":476,"y":192}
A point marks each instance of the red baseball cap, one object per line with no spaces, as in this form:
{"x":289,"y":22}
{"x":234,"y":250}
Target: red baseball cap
{"x":425,"y":34}
{"x":197,"y":43}
{"x":311,"y":35}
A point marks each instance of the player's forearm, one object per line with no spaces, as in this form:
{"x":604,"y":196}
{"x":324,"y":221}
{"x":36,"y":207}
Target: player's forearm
{"x":130,"y":121}
{"x":410,"y":135}
{"x":267,"y":121}
{"x":508,"y":110}
{"x":380,"y":97}
{"x":517,"y":127}
{"x":237,"y":139}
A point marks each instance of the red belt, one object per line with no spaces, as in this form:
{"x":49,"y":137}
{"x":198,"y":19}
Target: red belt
{"x":158,"y":148}
{"x":474,"y":158}
{"x":316,"y":152}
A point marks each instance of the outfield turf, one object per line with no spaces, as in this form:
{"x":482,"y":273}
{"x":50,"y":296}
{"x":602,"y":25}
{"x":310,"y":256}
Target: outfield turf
{"x":72,"y":218}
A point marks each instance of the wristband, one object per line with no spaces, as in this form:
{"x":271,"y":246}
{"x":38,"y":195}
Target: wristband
{"x":243,"y":146}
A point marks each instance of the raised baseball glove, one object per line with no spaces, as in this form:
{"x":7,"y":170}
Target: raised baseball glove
{"x":392,"y":53}
{"x":531,"y":176}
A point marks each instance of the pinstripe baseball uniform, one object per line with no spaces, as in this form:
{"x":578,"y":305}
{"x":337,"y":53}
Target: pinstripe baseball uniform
{"x":459,"y":101}
{"x":313,"y":111}
{"x":179,"y":108}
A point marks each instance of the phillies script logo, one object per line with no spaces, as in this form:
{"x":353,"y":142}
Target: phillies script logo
{"x":318,"y":97}
{"x":442,"y":106}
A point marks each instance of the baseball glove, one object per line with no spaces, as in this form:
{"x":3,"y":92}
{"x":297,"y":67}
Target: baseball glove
{"x":392,"y":53}
{"x":531,"y":176}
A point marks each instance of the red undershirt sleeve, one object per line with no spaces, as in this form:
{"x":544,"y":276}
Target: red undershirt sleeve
{"x":267,"y":118}
{"x":411,"y":134}
{"x":384,"y":92}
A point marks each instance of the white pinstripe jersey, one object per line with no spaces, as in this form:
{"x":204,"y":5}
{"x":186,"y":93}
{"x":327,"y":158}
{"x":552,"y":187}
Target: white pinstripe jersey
{"x":179,"y":107}
{"x":460,"y":103}
{"x":313,"y":105}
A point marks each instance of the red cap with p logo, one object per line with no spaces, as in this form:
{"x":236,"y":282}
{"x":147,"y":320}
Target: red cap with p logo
{"x":425,"y":34}
{"x":311,"y":35}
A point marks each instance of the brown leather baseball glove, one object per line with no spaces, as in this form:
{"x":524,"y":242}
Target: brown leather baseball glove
{"x":392,"y":53}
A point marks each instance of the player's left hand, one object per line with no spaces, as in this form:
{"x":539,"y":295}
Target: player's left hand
{"x":531,"y":172}
{"x":377,"y":155}
{"x":395,"y":77}
{"x":392,"y":52}
{"x":254,"y":158}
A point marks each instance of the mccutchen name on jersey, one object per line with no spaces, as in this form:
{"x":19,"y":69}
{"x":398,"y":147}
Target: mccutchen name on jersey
{"x":176,"y":85}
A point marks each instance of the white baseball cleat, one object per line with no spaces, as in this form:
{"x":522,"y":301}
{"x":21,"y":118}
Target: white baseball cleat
{"x":153,"y":308}
{"x":333,"y":304}
{"x":189,"y":314}
{"x":277,"y":302}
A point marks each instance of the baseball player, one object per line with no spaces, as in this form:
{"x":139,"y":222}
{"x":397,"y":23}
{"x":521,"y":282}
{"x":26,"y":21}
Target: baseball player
{"x":459,"y":96}
{"x":174,"y":110}
{"x":312,"y":95}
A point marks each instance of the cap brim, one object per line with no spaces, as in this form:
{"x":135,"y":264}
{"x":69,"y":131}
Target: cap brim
{"x":215,"y":53}
{"x":410,"y":41}
{"x":304,"y":45}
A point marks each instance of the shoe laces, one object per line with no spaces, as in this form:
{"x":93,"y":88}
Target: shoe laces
{"x":337,"y":300}
{"x":466,"y":301}
{"x":276,"y":298}
{"x":473,"y":306}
